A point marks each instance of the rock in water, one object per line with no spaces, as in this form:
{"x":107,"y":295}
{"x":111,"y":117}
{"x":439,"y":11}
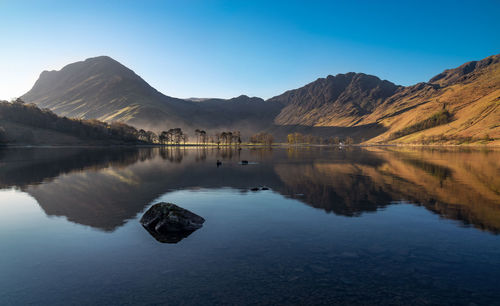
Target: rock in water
{"x":169,"y":223}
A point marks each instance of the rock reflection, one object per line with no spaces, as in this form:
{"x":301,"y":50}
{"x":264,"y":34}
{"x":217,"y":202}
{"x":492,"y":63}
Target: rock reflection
{"x":104,"y":188}
{"x":172,"y":238}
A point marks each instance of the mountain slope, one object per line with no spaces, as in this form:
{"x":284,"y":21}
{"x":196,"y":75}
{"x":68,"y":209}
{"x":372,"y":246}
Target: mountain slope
{"x":102,"y":88}
{"x":469,"y":93}
{"x":26,"y":124}
{"x":341,"y":99}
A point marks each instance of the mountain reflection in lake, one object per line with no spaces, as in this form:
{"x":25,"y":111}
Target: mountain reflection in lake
{"x":433,"y":239}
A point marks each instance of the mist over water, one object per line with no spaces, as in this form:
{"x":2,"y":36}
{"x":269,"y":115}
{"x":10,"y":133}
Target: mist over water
{"x":359,"y":225}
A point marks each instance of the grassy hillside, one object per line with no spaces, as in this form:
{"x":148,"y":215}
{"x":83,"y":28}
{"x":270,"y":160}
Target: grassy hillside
{"x":26,"y":124}
{"x":471,"y":96}
{"x":457,"y":106}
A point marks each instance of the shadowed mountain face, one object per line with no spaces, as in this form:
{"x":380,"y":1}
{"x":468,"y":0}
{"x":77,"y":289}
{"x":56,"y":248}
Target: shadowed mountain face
{"x":108,"y":188}
{"x":352,"y":104}
{"x":342,"y":98}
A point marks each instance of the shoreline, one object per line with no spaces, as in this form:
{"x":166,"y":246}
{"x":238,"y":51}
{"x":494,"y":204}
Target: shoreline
{"x":277,"y":145}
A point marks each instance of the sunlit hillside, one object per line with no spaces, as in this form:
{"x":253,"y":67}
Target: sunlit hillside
{"x":471,"y":93}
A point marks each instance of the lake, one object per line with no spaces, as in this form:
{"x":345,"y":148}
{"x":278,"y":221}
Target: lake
{"x":375,"y":225}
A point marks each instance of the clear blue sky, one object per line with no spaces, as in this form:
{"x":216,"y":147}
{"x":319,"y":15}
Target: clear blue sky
{"x":259,"y":48}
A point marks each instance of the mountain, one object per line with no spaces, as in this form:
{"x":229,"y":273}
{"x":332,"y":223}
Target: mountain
{"x":102,"y":88}
{"x":469,"y":94}
{"x":458,"y":105}
{"x":341,"y":99}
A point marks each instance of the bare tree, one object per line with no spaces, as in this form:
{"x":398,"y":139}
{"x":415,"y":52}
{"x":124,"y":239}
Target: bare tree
{"x":203,"y":137}
{"x":163,"y":137}
{"x":223,"y":137}
{"x":218,"y":138}
{"x":237,"y":136}
{"x":197,"y":132}
{"x":262,"y":138}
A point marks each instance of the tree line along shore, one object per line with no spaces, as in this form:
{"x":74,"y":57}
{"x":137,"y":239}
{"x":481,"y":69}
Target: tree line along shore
{"x":22,"y":123}
{"x":27,"y":124}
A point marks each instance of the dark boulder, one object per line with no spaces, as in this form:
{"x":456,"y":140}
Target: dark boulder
{"x":259,"y":188}
{"x":169,"y":223}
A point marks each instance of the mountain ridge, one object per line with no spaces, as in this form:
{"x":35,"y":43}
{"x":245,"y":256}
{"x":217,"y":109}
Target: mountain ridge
{"x":350,"y":94}
{"x":104,"y":89}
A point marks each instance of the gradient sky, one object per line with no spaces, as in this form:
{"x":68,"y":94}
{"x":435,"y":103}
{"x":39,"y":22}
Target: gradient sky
{"x":258,"y":48}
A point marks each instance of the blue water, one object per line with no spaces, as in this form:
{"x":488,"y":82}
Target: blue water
{"x":265,"y":247}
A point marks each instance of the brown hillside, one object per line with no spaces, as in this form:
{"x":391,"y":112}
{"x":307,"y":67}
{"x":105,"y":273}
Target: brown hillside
{"x":470,"y":93}
{"x":469,"y":96}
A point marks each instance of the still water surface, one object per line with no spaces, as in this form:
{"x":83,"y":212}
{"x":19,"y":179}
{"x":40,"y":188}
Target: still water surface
{"x":360,"y":226}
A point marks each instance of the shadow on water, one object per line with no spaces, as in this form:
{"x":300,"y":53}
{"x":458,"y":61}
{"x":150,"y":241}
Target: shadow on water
{"x":104,"y":188}
{"x":171,"y":237}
